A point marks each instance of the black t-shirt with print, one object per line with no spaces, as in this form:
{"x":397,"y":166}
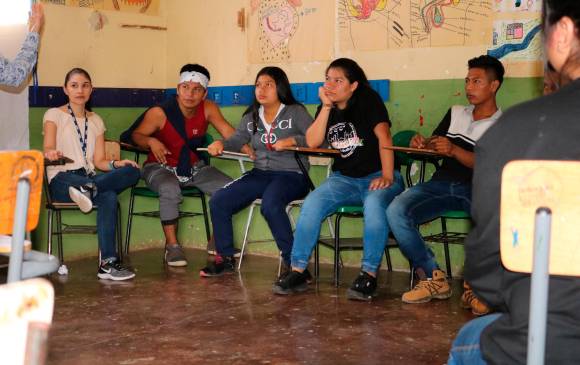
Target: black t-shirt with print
{"x":351,"y":131}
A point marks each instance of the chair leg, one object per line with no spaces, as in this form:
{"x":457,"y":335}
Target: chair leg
{"x":337,"y":249}
{"x":411,"y":276}
{"x":129,"y":220}
{"x":119,"y":234}
{"x":446,"y":248}
{"x":49,"y":226}
{"x":247,"y":230}
{"x":205,"y":217}
{"x":59,"y":236}
{"x":388,"y":258}
{"x":290,"y":217}
{"x":316,"y":261}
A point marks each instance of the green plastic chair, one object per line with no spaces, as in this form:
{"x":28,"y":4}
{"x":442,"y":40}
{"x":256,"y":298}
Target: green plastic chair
{"x":145,"y":192}
{"x":338,"y":244}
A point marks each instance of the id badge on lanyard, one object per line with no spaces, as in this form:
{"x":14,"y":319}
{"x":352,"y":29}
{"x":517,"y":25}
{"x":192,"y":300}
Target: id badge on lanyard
{"x":82,"y":138}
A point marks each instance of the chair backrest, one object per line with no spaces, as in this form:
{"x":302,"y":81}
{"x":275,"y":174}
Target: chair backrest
{"x":539,"y":213}
{"x":112,"y":150}
{"x":16,"y":165}
{"x":403,"y":139}
{"x":526,"y":186}
{"x":26,"y":309}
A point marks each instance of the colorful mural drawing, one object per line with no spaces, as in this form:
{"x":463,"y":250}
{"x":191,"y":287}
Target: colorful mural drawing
{"x":392,"y":24}
{"x":517,"y":40}
{"x":285,"y":30}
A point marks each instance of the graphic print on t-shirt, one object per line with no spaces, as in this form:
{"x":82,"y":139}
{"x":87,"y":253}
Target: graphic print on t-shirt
{"x":343,"y":137}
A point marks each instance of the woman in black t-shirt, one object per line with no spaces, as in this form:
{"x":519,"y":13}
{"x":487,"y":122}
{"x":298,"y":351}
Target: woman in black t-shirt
{"x":354,"y":120}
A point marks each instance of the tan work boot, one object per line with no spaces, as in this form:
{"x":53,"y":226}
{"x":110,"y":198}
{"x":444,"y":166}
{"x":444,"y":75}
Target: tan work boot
{"x":427,"y":289}
{"x":470,"y":301}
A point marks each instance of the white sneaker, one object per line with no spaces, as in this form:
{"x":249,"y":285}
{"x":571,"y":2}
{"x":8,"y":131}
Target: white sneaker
{"x":84,"y":202}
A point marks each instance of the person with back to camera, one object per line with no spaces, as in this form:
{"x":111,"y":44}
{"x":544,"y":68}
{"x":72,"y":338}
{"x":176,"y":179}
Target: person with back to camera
{"x":546,"y":128}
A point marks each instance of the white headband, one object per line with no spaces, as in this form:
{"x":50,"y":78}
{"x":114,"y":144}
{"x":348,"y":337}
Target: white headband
{"x":194,"y":77}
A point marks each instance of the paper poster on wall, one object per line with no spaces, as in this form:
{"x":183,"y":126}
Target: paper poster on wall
{"x":517,"y":5}
{"x":289,"y":31}
{"x":518,"y":42}
{"x":149,"y":7}
{"x":374,"y":25}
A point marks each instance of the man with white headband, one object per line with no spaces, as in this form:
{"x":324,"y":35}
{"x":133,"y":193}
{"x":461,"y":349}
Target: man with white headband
{"x":171,"y":132}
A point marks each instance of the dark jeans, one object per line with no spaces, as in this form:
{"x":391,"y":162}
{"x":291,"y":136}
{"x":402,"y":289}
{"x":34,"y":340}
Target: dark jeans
{"x":275,"y":188}
{"x":109,"y":185}
{"x":419,"y":204}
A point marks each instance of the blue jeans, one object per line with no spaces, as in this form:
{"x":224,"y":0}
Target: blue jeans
{"x":466,"y":349}
{"x":109,"y":185}
{"x":275,"y":188}
{"x":339,"y":190}
{"x":419,"y":204}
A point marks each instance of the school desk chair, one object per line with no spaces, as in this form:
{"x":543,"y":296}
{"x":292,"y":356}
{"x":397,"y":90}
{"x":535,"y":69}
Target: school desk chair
{"x":58,"y":227}
{"x":21,"y":175}
{"x":337,"y":243}
{"x":539,"y":210}
{"x":243,"y":159}
{"x":26,"y":309}
{"x":141,"y":191}
{"x":407,"y":160}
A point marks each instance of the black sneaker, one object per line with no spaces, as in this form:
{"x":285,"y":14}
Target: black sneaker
{"x":363,"y":288}
{"x":113,"y":270}
{"x":221,"y":265}
{"x":293,"y":282}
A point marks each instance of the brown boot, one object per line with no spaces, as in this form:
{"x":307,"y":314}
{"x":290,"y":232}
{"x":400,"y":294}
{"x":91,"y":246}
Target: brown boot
{"x":436,"y":287}
{"x":470,"y":301}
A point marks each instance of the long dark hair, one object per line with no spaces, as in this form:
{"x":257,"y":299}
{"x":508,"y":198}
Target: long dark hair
{"x":552,"y":12}
{"x":80,"y":71}
{"x":283,"y":91}
{"x":354,"y":73}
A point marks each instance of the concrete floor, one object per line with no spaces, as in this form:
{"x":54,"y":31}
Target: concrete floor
{"x":172,"y":316}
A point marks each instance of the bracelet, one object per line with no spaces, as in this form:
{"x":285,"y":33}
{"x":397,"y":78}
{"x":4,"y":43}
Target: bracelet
{"x":112,"y":165}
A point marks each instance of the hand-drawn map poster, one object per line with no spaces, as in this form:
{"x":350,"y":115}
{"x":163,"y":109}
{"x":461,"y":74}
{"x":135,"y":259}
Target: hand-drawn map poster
{"x":290,"y":30}
{"x":149,"y":7}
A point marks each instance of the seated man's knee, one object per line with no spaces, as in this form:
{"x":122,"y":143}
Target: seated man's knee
{"x":397,"y":209}
{"x":170,"y":192}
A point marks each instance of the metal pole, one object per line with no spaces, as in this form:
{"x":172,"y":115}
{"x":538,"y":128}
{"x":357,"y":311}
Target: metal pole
{"x":18,"y":230}
{"x":539,"y":287}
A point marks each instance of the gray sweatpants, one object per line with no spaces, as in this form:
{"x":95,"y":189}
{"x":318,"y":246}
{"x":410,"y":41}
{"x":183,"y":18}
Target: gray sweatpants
{"x":208,"y":179}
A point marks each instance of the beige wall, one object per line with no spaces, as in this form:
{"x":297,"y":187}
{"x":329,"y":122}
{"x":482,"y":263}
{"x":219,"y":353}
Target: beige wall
{"x":114,"y":56}
{"x":206,"y":32}
{"x":214,"y":40}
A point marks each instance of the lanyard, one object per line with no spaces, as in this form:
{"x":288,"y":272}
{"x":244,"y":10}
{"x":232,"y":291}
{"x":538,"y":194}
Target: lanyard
{"x":82,"y":140}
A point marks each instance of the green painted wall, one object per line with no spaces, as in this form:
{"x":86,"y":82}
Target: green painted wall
{"x":409,"y":101}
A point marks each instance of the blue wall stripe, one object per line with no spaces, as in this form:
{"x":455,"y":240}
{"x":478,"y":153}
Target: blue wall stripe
{"x":306,"y":93}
